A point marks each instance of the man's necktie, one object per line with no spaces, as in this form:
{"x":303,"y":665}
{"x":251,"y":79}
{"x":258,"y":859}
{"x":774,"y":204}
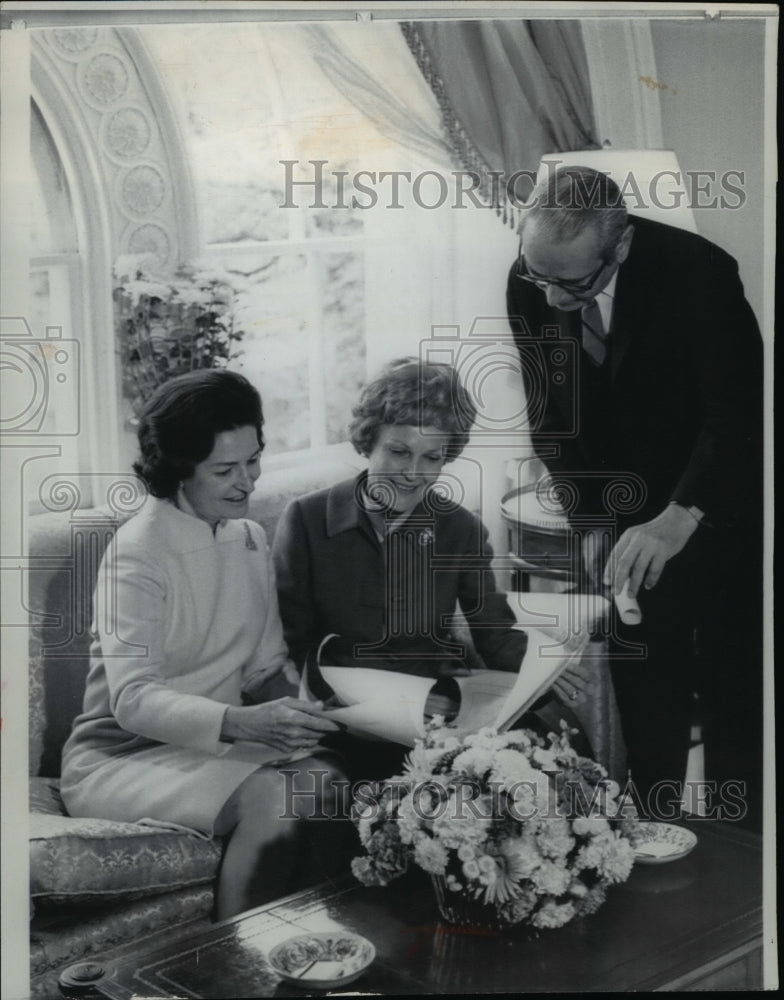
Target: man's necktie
{"x":594,"y":334}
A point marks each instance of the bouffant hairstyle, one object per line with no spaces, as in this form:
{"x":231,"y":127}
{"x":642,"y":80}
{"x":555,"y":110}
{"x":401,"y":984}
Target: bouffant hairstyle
{"x":416,"y":393}
{"x":564,"y":202}
{"x":180,"y":420}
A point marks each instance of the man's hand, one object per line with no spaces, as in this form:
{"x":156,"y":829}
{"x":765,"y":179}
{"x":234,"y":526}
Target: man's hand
{"x":640,"y":554}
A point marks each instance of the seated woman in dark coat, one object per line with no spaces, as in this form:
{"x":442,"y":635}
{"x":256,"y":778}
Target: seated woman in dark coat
{"x":382,"y":561}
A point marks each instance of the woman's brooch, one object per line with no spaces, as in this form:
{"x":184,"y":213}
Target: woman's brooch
{"x":249,"y":541}
{"x":426,"y":537}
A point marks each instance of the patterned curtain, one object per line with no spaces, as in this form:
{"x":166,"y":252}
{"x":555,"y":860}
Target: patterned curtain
{"x":509,"y":91}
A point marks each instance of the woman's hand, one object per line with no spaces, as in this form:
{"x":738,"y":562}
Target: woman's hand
{"x":573,"y":687}
{"x":286,"y":724}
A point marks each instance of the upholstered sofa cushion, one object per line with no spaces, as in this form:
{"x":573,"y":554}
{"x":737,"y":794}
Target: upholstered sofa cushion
{"x":95,"y":861}
{"x":78,"y":934}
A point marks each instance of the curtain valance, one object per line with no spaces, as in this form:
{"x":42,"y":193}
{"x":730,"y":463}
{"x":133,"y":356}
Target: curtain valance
{"x":508,"y":91}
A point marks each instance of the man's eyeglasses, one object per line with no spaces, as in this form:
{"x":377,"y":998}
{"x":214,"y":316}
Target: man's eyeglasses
{"x":576,"y":286}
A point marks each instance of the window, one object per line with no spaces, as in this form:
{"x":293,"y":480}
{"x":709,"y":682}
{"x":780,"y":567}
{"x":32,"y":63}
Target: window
{"x":300,"y":259}
{"x":54,"y":316}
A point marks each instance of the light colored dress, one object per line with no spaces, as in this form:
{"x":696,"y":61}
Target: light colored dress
{"x":184,"y":620}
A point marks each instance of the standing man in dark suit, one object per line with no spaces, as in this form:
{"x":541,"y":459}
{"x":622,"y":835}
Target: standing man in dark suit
{"x":642,"y":363}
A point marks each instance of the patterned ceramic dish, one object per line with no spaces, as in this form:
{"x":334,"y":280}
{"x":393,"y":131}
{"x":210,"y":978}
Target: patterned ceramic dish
{"x":656,"y":843}
{"x":324,"y":960}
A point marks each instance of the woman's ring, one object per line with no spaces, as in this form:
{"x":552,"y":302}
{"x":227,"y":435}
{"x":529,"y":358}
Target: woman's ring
{"x":573,"y":695}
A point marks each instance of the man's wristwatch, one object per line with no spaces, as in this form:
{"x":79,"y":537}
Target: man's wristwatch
{"x":696,"y":513}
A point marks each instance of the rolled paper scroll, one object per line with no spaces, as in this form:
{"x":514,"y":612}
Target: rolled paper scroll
{"x":628,"y":608}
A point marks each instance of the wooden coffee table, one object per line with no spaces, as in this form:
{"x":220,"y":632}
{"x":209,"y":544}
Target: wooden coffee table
{"x":695,"y":923}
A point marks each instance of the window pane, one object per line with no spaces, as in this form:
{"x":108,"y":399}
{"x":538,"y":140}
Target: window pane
{"x":273,"y":313}
{"x":50,"y":321}
{"x":339,"y":217}
{"x":249,"y":96}
{"x":238,"y":213}
{"x":52,"y":227}
{"x":344,"y":339}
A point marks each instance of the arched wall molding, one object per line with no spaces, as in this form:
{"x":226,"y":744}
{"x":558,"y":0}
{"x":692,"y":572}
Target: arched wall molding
{"x":622,"y":69}
{"x":178,"y":167}
{"x":90,"y":199}
{"x":111,"y":121}
{"x":109,"y":88}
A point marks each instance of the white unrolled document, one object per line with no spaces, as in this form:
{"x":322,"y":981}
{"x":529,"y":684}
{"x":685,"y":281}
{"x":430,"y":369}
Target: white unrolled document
{"x":387,"y":705}
{"x":628,"y":608}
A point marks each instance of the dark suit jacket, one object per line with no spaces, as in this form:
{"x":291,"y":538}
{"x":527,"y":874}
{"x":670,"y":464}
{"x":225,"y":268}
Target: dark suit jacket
{"x":683,"y":392}
{"x":334,"y":577}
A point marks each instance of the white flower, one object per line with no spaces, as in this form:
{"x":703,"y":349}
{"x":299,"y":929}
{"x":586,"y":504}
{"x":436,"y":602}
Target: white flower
{"x":515,"y":862}
{"x":476,"y":760}
{"x":618,"y":862}
{"x":127,"y":265}
{"x":592,"y":900}
{"x":194,"y":296}
{"x":519,"y":857}
{"x":365,"y":872}
{"x":523,"y":801}
{"x":510,"y":767}
{"x":486,"y":864}
{"x":554,"y":838}
{"x":456,"y":827}
{"x":152,"y":289}
{"x":471,"y":869}
{"x":512,"y":737}
{"x":419,"y":763}
{"x":486,"y":738}
{"x":465,"y":852}
{"x":545,"y":759}
{"x":408,"y":821}
{"x":529,"y":788}
{"x":611,"y":857}
{"x":590,"y":826}
{"x":488,"y":870}
{"x":551,"y":879}
{"x":518,"y":908}
{"x":365,"y":828}
{"x":431,"y":856}
{"x":553,"y":914}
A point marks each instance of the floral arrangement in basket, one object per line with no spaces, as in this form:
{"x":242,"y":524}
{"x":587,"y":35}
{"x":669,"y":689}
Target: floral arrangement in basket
{"x":166,"y":327}
{"x":513,"y":829}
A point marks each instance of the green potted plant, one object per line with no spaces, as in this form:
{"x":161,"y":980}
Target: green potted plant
{"x":168,"y":326}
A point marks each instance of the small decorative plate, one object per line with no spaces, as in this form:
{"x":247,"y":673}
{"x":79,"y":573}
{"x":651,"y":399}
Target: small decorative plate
{"x":331,"y":958}
{"x":656,"y":843}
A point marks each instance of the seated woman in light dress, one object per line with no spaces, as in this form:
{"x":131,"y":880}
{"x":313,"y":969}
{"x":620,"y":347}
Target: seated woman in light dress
{"x":190,"y":691}
{"x":382,"y":561}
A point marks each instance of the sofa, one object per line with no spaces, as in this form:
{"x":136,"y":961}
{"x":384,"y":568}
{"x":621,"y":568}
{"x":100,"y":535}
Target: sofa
{"x":97,"y":885}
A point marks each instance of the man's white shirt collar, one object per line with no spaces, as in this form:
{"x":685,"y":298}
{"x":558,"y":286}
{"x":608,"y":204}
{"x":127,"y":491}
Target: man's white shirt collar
{"x":605,"y":299}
